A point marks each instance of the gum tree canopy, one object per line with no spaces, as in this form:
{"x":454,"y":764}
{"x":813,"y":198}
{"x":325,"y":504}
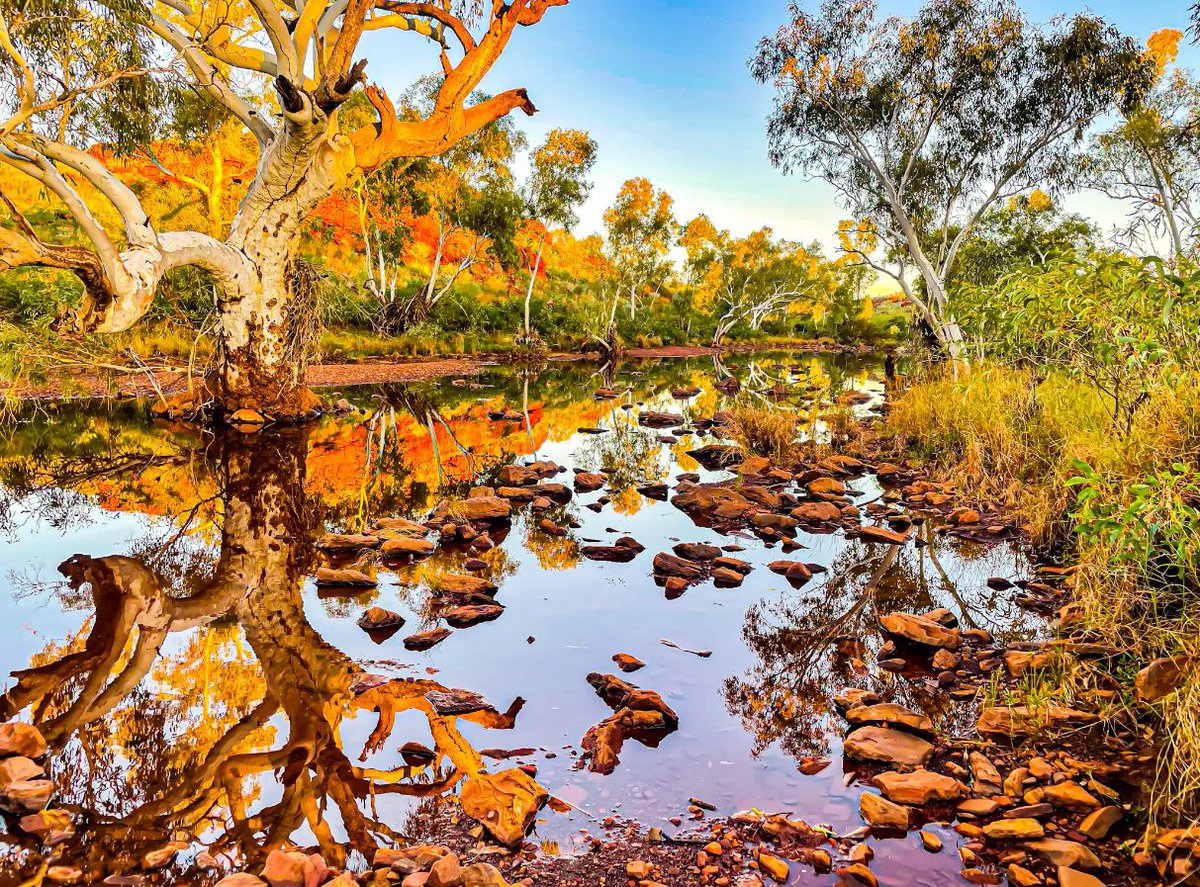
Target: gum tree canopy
{"x":922,"y":125}
{"x":77,"y":72}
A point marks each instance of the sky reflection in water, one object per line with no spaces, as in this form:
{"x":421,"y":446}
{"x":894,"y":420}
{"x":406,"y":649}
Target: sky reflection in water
{"x":189,"y":675}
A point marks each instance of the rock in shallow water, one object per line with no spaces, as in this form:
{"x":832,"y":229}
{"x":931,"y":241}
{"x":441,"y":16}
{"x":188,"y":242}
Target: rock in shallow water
{"x":920,"y":787}
{"x":886,"y":746}
{"x":919,"y":630}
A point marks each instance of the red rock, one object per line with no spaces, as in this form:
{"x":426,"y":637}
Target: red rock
{"x":918,"y":630}
{"x":26,"y":795}
{"x":696,"y":551}
{"x":885,"y":746}
{"x":586,"y":482}
{"x":627,"y":663}
{"x":344,"y":578}
{"x":920,"y":787}
{"x":473,"y":614}
{"x":879,"y":534}
{"x":1161,"y":678}
{"x":517,"y":476}
{"x":423,"y":640}
{"x":670,"y":565}
{"x":817,"y":512}
{"x":17,"y":769}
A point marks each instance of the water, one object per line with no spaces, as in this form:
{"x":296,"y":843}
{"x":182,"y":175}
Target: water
{"x":195,"y":684}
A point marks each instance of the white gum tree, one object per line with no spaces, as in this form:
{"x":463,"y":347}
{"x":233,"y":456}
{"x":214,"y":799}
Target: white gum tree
{"x":304,"y":55}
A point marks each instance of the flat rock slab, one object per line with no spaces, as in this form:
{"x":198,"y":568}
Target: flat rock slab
{"x":888,"y":714}
{"x":882,"y":745}
{"x":919,"y":630}
{"x":1022,"y":720}
{"x":920,"y":787}
{"x":457,"y":702}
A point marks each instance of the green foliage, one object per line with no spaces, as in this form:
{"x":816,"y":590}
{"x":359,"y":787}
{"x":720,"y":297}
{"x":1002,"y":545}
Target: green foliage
{"x":1150,"y":527}
{"x":33,"y":297}
{"x":558,"y":178}
{"x":1029,"y":232}
{"x":72,"y":42}
{"x":1116,"y":322}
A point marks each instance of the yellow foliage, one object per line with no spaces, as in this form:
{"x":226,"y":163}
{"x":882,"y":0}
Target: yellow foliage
{"x":1162,"y":47}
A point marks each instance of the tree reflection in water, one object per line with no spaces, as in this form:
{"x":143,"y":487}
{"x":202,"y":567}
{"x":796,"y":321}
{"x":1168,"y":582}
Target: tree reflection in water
{"x":140,"y":761}
{"x":813,"y":643}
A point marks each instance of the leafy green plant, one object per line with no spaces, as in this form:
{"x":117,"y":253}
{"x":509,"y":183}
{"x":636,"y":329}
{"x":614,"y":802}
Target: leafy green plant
{"x":1118,"y":323}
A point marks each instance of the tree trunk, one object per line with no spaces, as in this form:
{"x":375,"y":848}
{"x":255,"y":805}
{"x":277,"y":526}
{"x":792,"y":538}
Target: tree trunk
{"x":264,"y":334}
{"x":537,"y":263}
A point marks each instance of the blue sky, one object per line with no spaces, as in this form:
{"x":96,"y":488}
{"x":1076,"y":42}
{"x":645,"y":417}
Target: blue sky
{"x":664,"y":88}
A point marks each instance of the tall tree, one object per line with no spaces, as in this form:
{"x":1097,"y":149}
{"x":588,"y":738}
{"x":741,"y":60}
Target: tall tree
{"x":922,"y":125}
{"x":1150,"y":160}
{"x":557,"y":186}
{"x":128,"y":55}
{"x":641,"y":229}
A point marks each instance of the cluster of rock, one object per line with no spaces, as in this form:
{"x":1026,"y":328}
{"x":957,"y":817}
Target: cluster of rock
{"x":693,"y":562}
{"x":637,"y":713}
{"x":418,"y":866}
{"x":474,"y":524}
{"x":24,"y":788}
{"x":1033,"y":817}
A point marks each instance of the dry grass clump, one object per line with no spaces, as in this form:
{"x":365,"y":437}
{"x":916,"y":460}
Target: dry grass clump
{"x":765,"y":432}
{"x":1002,"y":435}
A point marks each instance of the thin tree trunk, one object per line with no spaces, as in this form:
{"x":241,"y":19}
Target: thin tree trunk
{"x":537,"y":263}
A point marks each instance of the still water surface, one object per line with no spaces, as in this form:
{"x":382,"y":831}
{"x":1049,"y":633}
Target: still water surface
{"x":162,"y":625}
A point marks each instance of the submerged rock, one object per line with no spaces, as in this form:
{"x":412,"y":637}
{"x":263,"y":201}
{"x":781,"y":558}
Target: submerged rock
{"x":472,"y":614}
{"x":670,"y":565}
{"x":881,"y":813}
{"x":505,"y":803}
{"x":379,"y":619}
{"x":708,"y":502}
{"x":337,"y":543}
{"x":658,"y":492}
{"x":627,"y":663}
{"x":346,"y":578}
{"x":407,"y":545}
{"x":477,"y":508}
{"x":621,"y":552}
{"x":697,"y":551}
{"x":586,"y":482}
{"x":717,"y":456}
{"x":652,"y":419}
{"x":817,"y":513}
{"x":879,"y":534}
